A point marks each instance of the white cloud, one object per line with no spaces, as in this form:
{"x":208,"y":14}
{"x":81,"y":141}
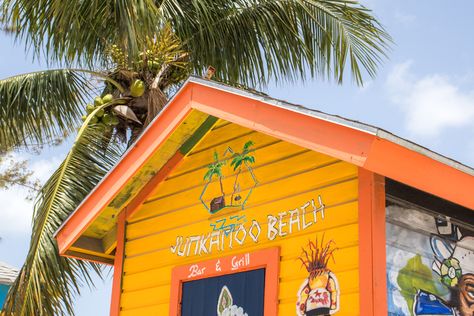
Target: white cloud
{"x":15,"y":211}
{"x":432,"y":103}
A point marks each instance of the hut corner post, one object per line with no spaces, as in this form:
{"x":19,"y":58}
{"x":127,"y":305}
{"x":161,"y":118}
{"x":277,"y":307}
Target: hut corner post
{"x":372,"y":260}
{"x":118,"y":265}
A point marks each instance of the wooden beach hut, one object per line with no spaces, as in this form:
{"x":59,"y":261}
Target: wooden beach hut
{"x":234,"y":203}
{"x":8,"y":275}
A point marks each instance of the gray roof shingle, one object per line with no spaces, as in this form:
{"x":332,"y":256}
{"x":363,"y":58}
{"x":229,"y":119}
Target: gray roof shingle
{"x":8,"y":274}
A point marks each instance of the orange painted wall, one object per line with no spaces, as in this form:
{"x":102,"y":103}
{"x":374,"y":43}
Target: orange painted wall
{"x":289,"y":176}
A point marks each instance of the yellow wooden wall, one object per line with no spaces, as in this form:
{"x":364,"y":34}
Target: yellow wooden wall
{"x":288,"y":177}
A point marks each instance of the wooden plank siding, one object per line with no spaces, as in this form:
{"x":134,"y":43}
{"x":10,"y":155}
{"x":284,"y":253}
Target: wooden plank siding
{"x":288,"y":176}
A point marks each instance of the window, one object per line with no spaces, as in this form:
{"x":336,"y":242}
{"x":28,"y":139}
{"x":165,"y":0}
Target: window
{"x":220,"y":286}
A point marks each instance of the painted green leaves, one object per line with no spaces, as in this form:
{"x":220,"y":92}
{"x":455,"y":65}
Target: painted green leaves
{"x":413,"y":276}
{"x":240,"y":162}
{"x":215,"y":168}
{"x":243,"y":157}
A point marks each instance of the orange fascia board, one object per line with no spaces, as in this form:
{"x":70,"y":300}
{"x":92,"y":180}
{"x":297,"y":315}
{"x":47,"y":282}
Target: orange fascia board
{"x":372,"y":255}
{"x":131,"y":162}
{"x":357,"y":146}
{"x":364,"y":149}
{"x":306,"y":131}
{"x":419,"y":171}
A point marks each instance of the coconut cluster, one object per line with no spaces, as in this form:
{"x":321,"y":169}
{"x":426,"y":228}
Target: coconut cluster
{"x":105,"y":117}
{"x":118,"y":56}
{"x":102,"y":118}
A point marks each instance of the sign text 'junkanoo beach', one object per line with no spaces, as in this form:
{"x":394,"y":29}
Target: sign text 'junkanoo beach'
{"x":284,"y":223}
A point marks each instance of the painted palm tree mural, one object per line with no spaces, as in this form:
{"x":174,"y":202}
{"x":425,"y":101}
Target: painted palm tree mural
{"x":240,"y":162}
{"x":215,"y":169}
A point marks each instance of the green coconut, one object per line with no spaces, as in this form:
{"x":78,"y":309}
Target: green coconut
{"x":107,"y":119}
{"x":94,"y":120}
{"x":83,"y":118}
{"x":100,"y":113}
{"x":137,"y":88}
{"x":115,"y":120}
{"x":107,"y":98}
{"x":98,"y":101}
{"x":90,"y":108}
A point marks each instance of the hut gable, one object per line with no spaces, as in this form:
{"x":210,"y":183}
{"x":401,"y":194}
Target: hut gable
{"x":229,"y":189}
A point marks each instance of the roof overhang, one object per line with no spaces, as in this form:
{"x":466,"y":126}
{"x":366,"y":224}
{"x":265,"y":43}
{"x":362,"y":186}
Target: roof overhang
{"x":200,"y":101}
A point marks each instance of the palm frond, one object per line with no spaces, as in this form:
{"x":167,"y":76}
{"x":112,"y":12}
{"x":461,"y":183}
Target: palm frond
{"x":250,"y":41}
{"x":47,"y":282}
{"x":247,"y":145}
{"x":238,"y":163}
{"x":249,"y":159}
{"x":246,"y":41}
{"x":81,"y":30}
{"x":40,"y":106}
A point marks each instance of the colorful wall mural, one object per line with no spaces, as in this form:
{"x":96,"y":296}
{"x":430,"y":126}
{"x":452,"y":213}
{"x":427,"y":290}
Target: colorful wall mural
{"x":430,"y":265}
{"x":239,"y":161}
{"x":262,"y":193}
{"x":319,"y":292}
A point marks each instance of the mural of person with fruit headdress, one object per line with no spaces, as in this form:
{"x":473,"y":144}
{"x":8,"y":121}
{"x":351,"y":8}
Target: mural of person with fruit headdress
{"x":454,"y":265}
{"x":319,"y":292}
{"x":430,"y":264}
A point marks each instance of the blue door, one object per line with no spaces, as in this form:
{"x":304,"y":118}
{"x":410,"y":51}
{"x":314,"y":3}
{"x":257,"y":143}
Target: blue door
{"x":228,"y":295}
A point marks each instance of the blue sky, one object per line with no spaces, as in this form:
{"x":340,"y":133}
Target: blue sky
{"x":424,"y":92}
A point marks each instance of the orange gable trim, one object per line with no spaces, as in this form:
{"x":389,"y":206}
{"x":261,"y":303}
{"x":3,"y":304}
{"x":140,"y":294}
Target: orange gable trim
{"x":349,"y":144}
{"x":359,"y":147}
{"x":131,"y":162}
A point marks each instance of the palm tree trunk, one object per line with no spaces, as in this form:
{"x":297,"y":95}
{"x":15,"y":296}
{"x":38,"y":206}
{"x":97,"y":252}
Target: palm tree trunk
{"x":235,"y":184}
{"x":222,"y":187}
{"x":156,"y":101}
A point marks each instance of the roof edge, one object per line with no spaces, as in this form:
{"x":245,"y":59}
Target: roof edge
{"x":355,"y":142}
{"x":336,"y":119}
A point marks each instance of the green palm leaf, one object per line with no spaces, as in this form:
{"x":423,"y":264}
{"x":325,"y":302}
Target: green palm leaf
{"x":48,"y":282}
{"x":247,"y":145}
{"x":247,"y":41}
{"x":81,"y":30}
{"x":40,"y":106}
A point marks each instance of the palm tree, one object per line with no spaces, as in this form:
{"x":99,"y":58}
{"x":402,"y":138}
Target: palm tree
{"x":158,"y":43}
{"x":215,"y":169}
{"x":238,"y":159}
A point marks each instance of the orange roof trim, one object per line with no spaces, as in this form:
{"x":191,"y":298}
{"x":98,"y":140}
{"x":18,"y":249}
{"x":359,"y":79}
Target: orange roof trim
{"x":363,"y":145}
